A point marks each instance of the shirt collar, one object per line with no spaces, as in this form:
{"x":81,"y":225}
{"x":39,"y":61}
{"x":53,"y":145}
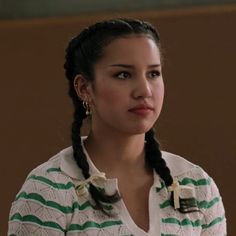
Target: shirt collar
{"x":69,"y":166}
{"x":177,"y":164}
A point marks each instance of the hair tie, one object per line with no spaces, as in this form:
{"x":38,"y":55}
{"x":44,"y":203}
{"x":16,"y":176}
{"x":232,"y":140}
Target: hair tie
{"x":97,"y":180}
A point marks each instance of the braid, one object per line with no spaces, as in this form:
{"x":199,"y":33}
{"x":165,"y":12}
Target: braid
{"x":79,"y":155}
{"x":98,"y":195}
{"x":154,"y":159}
{"x":71,"y":70}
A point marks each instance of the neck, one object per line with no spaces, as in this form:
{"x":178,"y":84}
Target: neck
{"x":110,"y":153}
{"x":126,"y":149}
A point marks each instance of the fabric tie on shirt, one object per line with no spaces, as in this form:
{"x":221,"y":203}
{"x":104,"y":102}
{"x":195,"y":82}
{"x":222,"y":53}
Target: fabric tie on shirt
{"x":97,"y":180}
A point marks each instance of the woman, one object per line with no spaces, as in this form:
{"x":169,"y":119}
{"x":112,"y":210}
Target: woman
{"x":117,"y":181}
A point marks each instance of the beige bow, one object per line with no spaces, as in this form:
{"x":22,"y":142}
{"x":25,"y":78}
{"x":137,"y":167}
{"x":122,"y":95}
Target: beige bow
{"x":97,"y":180}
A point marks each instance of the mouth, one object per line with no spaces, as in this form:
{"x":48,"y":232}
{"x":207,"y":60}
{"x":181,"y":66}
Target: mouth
{"x":142,"y":110}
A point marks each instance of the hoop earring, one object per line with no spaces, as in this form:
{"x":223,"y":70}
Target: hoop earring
{"x":87,"y":108}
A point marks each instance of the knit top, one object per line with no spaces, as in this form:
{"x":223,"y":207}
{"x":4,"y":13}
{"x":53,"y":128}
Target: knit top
{"x":48,"y":203}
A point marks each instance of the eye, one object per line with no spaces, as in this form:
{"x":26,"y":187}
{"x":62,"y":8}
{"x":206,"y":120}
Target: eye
{"x":154,"y":74}
{"x":123,"y":75}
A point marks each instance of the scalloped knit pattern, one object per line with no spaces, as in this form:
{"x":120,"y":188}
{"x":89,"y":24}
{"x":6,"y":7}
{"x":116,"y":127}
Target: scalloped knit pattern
{"x":47,"y":204}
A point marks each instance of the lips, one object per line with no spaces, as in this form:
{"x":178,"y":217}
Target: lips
{"x":142,"y":109}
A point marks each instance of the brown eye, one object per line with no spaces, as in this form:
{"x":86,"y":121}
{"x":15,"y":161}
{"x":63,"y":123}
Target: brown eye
{"x":154,"y":74}
{"x":123,"y":75}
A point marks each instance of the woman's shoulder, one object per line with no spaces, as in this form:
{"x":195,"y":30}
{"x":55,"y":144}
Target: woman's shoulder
{"x":179,"y":166}
{"x":51,"y":175}
{"x":49,"y":167}
{"x":190,"y":174}
{"x":47,"y":195}
{"x":196,"y":183}
{"x":62,"y":163}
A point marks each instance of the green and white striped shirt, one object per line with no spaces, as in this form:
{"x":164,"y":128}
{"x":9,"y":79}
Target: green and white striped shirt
{"x":48,"y":204}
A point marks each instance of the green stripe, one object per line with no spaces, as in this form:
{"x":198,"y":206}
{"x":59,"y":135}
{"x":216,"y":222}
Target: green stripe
{"x":91,"y":224}
{"x":51,"y":183}
{"x":165,"y":204}
{"x":198,"y":182}
{"x":36,"y":220}
{"x":206,"y":204}
{"x":54,"y":170}
{"x":162,"y":186}
{"x":196,"y":223}
{"x":39,"y":198}
{"x":64,"y":209}
{"x":201,"y":204}
{"x":214,"y":222}
{"x":186,"y":181}
{"x":184,"y":222}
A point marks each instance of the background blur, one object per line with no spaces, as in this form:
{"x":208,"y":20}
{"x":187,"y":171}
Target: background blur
{"x":198,"y":118}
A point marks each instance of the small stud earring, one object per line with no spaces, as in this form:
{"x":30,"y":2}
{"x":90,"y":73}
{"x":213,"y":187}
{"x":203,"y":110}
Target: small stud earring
{"x":87,"y":108}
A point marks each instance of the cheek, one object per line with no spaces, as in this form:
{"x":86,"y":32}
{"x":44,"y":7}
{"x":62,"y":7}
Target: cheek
{"x":106,"y":96}
{"x":159,"y":92}
{"x":158,"y":98}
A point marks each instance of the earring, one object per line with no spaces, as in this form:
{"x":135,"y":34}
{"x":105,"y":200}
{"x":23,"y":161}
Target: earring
{"x":87,"y":108}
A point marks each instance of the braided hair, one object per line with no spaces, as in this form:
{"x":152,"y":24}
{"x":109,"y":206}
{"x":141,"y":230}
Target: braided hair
{"x":82,"y":53}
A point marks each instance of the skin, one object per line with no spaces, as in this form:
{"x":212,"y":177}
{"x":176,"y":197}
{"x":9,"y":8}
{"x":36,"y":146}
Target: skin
{"x":128,"y":74}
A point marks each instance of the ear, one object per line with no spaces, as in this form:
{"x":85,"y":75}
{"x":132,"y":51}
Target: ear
{"x":82,"y":87}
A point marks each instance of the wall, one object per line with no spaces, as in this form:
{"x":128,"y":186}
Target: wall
{"x":27,"y":9}
{"x":198,"y":119}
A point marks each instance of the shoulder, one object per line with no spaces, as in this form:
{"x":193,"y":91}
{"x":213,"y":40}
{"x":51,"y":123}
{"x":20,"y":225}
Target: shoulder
{"x":54,"y":178}
{"x":49,"y":172}
{"x":198,"y":184}
{"x":47,"y":195}
{"x":179,"y":166}
{"x":47,"y":180}
{"x":190,"y":174}
{"x":59,"y":168}
{"x":47,"y":168}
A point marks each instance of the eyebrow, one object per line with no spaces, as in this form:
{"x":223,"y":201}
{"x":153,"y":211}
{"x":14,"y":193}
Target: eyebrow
{"x":131,"y":66}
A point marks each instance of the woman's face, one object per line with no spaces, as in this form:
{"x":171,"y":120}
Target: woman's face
{"x":127,"y":92}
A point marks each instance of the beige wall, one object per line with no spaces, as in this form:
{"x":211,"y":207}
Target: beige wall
{"x":198,"y":119}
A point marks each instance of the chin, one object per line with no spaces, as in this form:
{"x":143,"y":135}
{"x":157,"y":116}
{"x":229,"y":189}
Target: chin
{"x":139,"y":130}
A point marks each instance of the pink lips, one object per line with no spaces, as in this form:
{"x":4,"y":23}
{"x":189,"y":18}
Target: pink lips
{"x":143,"y":109}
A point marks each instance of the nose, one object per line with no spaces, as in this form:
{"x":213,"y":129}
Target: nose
{"x":142,"y":88}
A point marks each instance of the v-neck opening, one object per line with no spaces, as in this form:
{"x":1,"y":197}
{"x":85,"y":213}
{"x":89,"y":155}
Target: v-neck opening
{"x":124,"y":214}
{"x":153,"y":212}
{"x":128,"y":219}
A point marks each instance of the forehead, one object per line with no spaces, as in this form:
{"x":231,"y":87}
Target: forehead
{"x":131,"y":48}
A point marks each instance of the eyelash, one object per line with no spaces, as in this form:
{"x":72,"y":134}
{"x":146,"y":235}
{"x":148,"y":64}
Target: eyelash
{"x":154,"y":74}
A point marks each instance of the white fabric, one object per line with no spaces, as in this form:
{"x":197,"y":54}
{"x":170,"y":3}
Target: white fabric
{"x":49,"y":196}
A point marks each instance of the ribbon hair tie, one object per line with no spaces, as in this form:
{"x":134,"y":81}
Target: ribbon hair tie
{"x":97,"y":180}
